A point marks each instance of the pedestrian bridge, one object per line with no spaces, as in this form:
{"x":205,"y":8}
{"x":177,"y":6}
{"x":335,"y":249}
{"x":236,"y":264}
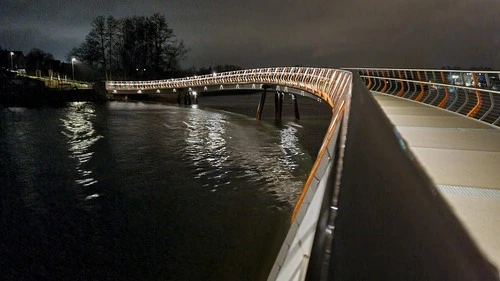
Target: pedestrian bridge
{"x":406,"y":183}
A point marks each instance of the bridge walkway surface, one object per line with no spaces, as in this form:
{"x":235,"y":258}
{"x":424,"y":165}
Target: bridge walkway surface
{"x":462,"y":156}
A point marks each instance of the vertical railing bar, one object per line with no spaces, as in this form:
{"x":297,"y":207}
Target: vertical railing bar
{"x":491,"y":107}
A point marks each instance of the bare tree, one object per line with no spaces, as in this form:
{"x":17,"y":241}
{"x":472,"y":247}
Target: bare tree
{"x":141,"y":47}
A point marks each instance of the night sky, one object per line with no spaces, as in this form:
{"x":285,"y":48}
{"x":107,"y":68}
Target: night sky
{"x":333,"y":33}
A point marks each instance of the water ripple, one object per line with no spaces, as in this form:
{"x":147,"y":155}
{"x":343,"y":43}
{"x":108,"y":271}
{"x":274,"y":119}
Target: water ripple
{"x":222,"y":151}
{"x":80,"y":133}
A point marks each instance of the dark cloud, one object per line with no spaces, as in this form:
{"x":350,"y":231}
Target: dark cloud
{"x":398,"y":33}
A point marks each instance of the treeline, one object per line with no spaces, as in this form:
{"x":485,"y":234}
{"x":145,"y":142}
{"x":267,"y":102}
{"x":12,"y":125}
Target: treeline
{"x":36,"y":59}
{"x":130,"y":48}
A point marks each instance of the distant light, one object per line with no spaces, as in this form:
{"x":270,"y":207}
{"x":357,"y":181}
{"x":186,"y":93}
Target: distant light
{"x":158,"y":91}
{"x":11,"y":53}
{"x":73,"y":59}
{"x":194,"y":93}
{"x":454,"y":76}
{"x":139,"y":92}
{"x":214,"y":73}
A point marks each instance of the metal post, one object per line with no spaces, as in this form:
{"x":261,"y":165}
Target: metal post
{"x":11,"y":61}
{"x":187,"y":99}
{"x":462,"y":76}
{"x":488,"y":81}
{"x":73,"y":67}
{"x":261,"y":104}
{"x":280,"y":108}
{"x":295,"y":107}
{"x":407,"y":84}
{"x":276,"y":105}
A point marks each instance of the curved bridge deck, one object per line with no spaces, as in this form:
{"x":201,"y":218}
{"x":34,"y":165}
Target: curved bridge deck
{"x":390,"y":222}
{"x":462,"y":156}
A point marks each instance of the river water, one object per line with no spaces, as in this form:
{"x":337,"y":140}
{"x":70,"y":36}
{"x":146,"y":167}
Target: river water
{"x":137,"y":191}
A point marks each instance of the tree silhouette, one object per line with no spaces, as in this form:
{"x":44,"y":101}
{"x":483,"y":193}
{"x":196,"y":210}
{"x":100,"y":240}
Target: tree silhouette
{"x":135,"y":47}
{"x":38,"y":59}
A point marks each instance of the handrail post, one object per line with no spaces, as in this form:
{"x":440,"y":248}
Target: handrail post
{"x":476,"y":108}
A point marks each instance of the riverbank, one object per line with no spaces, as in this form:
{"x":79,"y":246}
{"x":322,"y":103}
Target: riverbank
{"x":28,"y":92}
{"x":48,"y":97}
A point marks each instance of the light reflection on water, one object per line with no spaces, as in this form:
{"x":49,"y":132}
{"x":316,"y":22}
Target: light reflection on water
{"x":206,"y":147}
{"x":223,"y":151}
{"x":181,"y":192}
{"x":290,"y":145}
{"x":79,"y":130}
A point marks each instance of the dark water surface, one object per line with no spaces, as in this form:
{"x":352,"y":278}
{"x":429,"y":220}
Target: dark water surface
{"x":134,"y":191}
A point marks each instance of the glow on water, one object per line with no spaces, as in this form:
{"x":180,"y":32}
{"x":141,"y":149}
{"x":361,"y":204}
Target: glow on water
{"x":217,"y":146}
{"x":81,"y":135}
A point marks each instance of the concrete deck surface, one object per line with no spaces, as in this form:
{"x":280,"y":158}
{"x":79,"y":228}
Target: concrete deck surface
{"x":462,"y":156}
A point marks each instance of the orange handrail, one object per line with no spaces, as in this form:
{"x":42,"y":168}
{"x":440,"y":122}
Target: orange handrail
{"x":369,"y":80}
{"x":476,"y":108}
{"x":385,"y":84}
{"x":321,"y":153}
{"x":400,"y":93}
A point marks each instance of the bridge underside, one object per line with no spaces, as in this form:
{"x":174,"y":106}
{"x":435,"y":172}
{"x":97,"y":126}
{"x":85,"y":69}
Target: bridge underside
{"x":462,"y":156}
{"x":215,"y":88}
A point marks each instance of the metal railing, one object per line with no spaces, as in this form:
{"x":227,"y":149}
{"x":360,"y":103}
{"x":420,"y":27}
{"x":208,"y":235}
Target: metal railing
{"x":60,"y":83}
{"x":356,"y":219}
{"x":321,"y":82}
{"x":475,"y":94}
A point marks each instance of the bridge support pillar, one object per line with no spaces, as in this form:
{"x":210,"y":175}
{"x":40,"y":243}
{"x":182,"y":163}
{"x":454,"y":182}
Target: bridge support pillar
{"x":261,"y":103}
{"x":195,"y":98}
{"x":295,"y":107}
{"x":179,"y":97}
{"x":187,"y":98}
{"x":276,"y":101}
{"x":278,"y":105}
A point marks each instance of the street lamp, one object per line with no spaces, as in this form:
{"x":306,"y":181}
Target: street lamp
{"x":73,"y":67}
{"x":11,"y":61}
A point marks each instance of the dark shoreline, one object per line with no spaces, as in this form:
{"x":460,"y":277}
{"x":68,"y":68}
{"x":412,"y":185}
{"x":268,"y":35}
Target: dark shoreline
{"x":23,"y":91}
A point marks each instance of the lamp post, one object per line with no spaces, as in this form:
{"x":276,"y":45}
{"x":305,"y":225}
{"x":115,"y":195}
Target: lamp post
{"x":11,"y":61}
{"x":73,"y":67}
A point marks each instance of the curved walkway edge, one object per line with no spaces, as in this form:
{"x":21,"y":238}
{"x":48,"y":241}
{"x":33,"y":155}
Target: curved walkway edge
{"x":462,"y":156}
